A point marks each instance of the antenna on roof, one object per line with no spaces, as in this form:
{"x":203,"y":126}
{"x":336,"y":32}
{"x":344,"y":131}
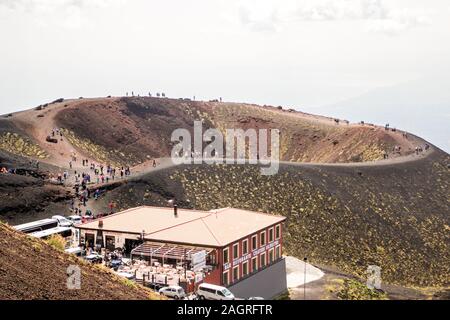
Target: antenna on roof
{"x":175,"y":207}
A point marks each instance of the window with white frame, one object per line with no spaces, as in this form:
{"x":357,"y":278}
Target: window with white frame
{"x":262,"y":238}
{"x":270,"y":234}
{"x":245,"y":268}
{"x":226,"y":278}
{"x":277,"y":232}
{"x":255,"y":242}
{"x":262,"y":259}
{"x":245,"y":246}
{"x":236,"y":273}
{"x":277,"y":252}
{"x":271,"y":255}
{"x":226,"y":257}
{"x":236,"y":251}
{"x":254,"y":264}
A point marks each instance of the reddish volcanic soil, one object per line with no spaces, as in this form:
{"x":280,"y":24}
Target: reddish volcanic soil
{"x":32,"y":269}
{"x":133,"y":130}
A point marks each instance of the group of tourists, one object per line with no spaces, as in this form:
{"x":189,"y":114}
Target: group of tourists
{"x":59,"y":177}
{"x":56,"y":132}
{"x":97,"y":173}
{"x":420,"y":149}
{"x":82,"y":195}
{"x":337,"y":121}
{"x":395,"y":149}
{"x":53,"y":136}
{"x":101,"y":173}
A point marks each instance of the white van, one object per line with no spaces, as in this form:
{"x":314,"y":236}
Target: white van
{"x":213,"y":292}
{"x":62,"y":221}
{"x":75,"y":219}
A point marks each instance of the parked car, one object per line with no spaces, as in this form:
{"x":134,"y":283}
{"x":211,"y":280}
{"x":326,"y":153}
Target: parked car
{"x":76,"y":251}
{"x":115,"y":264}
{"x":255,"y":298}
{"x":175,"y":292}
{"x":213,"y":292}
{"x":75,"y":219}
{"x":126,"y":275}
{"x":154,"y":286}
{"x":62,"y":221}
{"x":94,"y":258}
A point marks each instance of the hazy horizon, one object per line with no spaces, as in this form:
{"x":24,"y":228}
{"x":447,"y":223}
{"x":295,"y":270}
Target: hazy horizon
{"x":311,"y":55}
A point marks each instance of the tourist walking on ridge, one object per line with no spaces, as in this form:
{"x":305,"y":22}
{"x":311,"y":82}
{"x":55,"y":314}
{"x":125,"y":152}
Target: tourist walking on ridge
{"x":111,"y":206}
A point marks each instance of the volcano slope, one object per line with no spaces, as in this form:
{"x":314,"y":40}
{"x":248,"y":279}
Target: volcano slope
{"x":32,"y":269}
{"x":395,"y":216}
{"x":28,"y":194}
{"x":391,"y":213}
{"x":130,"y":130}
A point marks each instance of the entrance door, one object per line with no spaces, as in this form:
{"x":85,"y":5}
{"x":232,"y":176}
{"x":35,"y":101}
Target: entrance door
{"x":99,"y":243}
{"x":89,"y":240}
{"x":110,"y":243}
{"x":130,"y":244}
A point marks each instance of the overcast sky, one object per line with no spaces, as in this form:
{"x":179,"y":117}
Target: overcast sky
{"x":296,"y":53}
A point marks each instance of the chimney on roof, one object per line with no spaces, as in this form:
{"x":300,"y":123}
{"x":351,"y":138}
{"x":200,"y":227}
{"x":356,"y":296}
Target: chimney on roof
{"x":175,"y":210}
{"x":100,"y":223}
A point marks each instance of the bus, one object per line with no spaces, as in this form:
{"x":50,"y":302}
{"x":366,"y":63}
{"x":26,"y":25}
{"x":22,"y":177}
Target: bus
{"x":65,"y":232}
{"x":36,"y":226}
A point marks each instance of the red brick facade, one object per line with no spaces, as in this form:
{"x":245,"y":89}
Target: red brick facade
{"x":246,"y":256}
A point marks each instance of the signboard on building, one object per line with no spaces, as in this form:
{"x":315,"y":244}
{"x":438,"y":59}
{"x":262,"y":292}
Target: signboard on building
{"x":198,"y":277}
{"x":255,"y":253}
{"x":198,"y":260}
